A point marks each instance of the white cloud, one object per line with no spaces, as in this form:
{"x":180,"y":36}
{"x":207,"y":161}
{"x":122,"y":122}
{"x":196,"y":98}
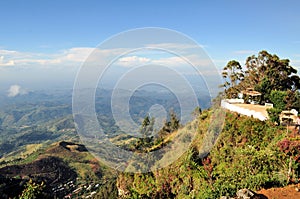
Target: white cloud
{"x":170,"y":61}
{"x":21,"y":59}
{"x":75,"y":54}
{"x":74,"y":57}
{"x":7,"y":52}
{"x":175,"y":46}
{"x":6,"y":63}
{"x":133,"y":61}
{"x":15,"y":90}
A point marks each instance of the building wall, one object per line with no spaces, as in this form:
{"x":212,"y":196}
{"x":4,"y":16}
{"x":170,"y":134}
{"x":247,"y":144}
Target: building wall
{"x":232,"y":107}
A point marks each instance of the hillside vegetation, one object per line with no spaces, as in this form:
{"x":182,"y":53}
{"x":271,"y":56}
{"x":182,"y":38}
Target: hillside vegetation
{"x":248,"y":153}
{"x":64,"y":168}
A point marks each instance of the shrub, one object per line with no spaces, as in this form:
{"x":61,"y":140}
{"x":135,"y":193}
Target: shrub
{"x":278,"y":99}
{"x":274,"y":114}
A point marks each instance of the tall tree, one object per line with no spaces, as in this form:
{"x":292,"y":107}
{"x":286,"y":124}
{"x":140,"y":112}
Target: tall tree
{"x":270,"y":69}
{"x":171,"y":124}
{"x":233,"y":74}
{"x":147,"y":126}
{"x":269,"y":72}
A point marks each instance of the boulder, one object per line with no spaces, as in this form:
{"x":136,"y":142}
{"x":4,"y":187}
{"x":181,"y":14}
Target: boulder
{"x":246,"y":194}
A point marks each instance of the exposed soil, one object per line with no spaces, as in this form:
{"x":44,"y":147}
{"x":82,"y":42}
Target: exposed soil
{"x":288,"y":192}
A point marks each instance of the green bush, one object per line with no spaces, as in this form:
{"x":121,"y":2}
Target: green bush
{"x":278,"y":99}
{"x":274,"y":114}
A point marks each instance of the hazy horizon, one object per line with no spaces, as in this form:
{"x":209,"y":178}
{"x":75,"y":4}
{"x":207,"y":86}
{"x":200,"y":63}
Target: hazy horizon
{"x":42,"y":52}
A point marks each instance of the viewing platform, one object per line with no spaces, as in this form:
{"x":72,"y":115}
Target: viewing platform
{"x":251,"y":110}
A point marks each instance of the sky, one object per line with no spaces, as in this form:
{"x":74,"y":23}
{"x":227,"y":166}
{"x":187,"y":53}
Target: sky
{"x":44,"y":43}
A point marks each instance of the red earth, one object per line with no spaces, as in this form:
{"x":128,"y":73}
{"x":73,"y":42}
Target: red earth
{"x":289,"y":192}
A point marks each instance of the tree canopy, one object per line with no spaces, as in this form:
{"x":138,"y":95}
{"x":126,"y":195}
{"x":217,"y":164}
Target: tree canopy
{"x":265,"y":73}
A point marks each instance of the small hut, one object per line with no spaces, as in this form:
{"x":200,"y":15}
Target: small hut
{"x":251,"y":96}
{"x":288,"y":117}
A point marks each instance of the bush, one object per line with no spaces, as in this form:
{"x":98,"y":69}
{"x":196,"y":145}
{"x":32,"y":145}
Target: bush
{"x":274,"y":114}
{"x":278,"y":99}
{"x":32,"y":190}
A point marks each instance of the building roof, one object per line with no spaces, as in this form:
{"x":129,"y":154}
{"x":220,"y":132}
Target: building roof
{"x":251,"y":92}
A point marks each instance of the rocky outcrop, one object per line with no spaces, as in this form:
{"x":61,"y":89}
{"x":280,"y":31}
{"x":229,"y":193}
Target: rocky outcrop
{"x":245,"y":194}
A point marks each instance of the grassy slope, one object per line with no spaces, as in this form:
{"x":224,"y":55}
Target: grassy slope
{"x":246,"y":155}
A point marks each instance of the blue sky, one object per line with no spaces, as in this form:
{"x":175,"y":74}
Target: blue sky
{"x":54,"y":32}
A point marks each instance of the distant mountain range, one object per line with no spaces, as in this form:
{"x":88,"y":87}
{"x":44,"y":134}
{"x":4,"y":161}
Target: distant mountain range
{"x":42,"y":116}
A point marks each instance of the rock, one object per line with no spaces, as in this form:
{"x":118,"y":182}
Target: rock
{"x":224,"y":197}
{"x":245,"y":194}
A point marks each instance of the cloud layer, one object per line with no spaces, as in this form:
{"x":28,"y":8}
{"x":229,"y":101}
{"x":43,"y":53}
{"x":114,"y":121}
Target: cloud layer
{"x":15,"y":90}
{"x":65,"y":57}
{"x":73,"y":58}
